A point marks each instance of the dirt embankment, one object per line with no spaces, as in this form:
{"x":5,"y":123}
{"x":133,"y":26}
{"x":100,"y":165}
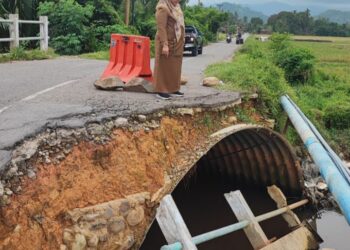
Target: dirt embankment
{"x":100,"y":167}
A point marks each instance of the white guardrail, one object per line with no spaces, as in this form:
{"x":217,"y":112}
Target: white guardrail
{"x":14,"y":39}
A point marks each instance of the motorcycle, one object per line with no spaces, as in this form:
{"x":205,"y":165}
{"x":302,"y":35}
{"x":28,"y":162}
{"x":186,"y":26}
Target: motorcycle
{"x":228,"y":39}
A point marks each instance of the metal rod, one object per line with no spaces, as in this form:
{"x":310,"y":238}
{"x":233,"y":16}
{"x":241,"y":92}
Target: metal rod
{"x":336,"y":182}
{"x":234,"y":227}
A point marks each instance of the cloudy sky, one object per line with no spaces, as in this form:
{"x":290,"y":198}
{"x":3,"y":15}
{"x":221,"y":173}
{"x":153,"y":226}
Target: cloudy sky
{"x":329,"y":4}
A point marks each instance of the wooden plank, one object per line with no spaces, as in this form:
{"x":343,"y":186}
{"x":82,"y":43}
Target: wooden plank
{"x":277,"y":195}
{"x":299,"y":239}
{"x":172,"y":224}
{"x":242,"y":211}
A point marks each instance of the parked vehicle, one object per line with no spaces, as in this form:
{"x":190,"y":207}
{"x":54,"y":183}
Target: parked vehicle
{"x":239,"y":38}
{"x":229,"y":38}
{"x":193,"y":40}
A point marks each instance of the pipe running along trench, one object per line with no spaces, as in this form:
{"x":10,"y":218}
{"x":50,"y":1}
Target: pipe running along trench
{"x":334,"y":175}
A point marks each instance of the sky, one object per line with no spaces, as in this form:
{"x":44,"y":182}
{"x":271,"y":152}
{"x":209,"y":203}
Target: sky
{"x":328,"y":4}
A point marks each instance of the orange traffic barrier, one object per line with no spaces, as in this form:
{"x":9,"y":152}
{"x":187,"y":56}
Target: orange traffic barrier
{"x":129,"y":57}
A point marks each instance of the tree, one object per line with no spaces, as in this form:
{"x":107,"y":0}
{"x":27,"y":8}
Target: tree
{"x":255,"y":25}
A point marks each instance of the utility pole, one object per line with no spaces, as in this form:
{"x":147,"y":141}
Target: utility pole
{"x":127,"y":12}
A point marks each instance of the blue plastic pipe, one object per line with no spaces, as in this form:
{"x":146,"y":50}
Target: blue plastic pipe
{"x":336,"y":182}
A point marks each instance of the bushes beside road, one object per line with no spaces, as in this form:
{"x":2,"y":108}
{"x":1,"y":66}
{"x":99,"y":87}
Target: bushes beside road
{"x":306,"y":71}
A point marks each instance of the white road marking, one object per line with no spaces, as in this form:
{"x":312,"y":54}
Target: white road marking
{"x":4,"y":108}
{"x":31,"y":97}
{"x":47,"y":90}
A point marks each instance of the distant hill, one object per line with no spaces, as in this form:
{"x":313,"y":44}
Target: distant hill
{"x":242,"y":11}
{"x":271,"y":8}
{"x":336,"y":16}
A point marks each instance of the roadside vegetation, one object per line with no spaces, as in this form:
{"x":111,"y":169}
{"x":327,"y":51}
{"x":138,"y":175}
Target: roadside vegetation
{"x":20,"y":54}
{"x":84,"y":26}
{"x":315,"y":74}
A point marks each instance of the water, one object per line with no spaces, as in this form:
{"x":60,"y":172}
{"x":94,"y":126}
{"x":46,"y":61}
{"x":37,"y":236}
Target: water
{"x":334,"y":230}
{"x":202,"y":204}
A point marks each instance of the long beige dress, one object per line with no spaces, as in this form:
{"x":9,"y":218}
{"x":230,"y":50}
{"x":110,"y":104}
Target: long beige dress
{"x":167,"y":70}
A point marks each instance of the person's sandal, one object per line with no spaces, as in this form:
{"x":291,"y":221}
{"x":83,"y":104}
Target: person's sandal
{"x":163,"y":96}
{"x":178,"y":94}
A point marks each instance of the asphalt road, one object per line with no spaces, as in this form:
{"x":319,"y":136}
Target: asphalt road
{"x":35,"y":95}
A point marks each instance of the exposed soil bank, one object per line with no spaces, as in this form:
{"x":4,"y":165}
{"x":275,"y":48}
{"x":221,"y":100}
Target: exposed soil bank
{"x":139,"y":158}
{"x":99,"y":186}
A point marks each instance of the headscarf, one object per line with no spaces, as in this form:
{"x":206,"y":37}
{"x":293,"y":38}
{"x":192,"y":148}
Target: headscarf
{"x":176,"y":13}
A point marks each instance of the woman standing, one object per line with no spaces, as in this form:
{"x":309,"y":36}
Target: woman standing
{"x":169,"y":48}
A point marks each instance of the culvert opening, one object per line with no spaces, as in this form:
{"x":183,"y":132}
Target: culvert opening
{"x":248,"y":160}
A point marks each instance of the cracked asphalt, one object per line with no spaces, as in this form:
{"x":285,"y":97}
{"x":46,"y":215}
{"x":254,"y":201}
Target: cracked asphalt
{"x":35,"y":95}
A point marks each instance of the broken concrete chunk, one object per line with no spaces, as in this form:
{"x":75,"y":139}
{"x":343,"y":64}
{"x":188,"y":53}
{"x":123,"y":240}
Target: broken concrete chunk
{"x":138,"y":84}
{"x":211,"y":81}
{"x":185,"y":111}
{"x":109,"y":83}
{"x":120,"y":122}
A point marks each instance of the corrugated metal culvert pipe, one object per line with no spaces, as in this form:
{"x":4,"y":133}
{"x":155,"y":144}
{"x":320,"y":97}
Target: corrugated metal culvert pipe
{"x":250,"y":154}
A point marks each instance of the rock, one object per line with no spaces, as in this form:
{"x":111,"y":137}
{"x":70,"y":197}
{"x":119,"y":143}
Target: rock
{"x":98,"y":224}
{"x":185,"y":111}
{"x":138,"y":84}
{"x":211,"y":81}
{"x":124,"y":207}
{"x":253,"y":96}
{"x":321,"y":186}
{"x":67,"y":237}
{"x":27,"y":150}
{"x":270,"y":123}
{"x":142,"y":118}
{"x":11,"y":172}
{"x":31,"y":174}
{"x":109,"y":83}
{"x":90,"y":217}
{"x":135,"y":216}
{"x":183,"y":80}
{"x":232,"y":119}
{"x":121,"y":122}
{"x":93,"y":241}
{"x":79,"y":242}
{"x":63,"y":247}
{"x":8,"y":191}
{"x":129,"y":242}
{"x":4,"y":201}
{"x":116,"y":225}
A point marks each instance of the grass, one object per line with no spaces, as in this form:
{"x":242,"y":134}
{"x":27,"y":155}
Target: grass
{"x":100,"y":55}
{"x":19,"y":54}
{"x":325,"y":98}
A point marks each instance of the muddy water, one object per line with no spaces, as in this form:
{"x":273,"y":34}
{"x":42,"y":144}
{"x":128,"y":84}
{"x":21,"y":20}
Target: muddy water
{"x":334,"y":230}
{"x":202,"y":204}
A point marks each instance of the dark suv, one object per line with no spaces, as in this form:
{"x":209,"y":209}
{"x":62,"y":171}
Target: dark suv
{"x":193,"y":40}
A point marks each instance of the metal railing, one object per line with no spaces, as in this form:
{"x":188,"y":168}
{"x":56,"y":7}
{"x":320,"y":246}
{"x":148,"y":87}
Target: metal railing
{"x":14,"y":38}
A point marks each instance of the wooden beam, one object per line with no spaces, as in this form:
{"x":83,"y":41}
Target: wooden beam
{"x":242,"y":211}
{"x":127,"y":12}
{"x":172,"y":224}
